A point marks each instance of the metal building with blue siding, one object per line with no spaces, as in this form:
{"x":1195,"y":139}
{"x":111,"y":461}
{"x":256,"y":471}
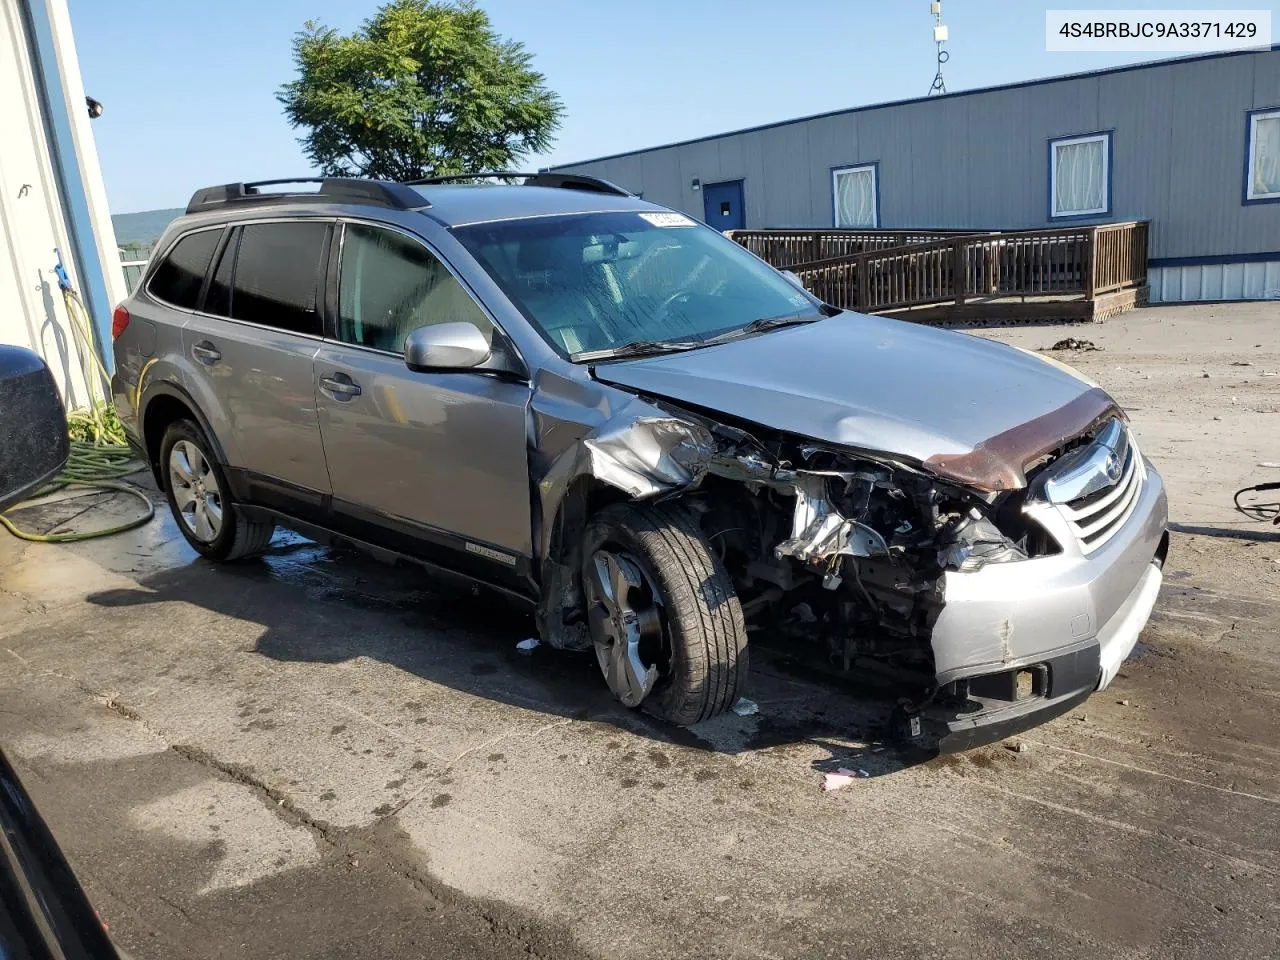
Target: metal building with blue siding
{"x":1192,"y":145}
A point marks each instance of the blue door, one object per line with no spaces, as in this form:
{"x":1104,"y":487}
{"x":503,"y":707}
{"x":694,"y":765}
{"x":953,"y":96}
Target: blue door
{"x":722,"y":205}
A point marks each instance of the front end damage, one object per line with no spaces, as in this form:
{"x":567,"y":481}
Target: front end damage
{"x":852,"y":557}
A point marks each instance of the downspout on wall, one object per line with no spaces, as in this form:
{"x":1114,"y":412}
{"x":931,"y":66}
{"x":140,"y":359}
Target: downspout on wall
{"x":93,"y":259}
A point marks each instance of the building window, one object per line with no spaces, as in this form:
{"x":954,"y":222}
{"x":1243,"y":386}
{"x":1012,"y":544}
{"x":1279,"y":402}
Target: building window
{"x":1262,"y":183}
{"x":855,"y":192}
{"x":1080,"y":176}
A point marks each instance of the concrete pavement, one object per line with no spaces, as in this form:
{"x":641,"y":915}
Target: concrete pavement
{"x":317,"y":755}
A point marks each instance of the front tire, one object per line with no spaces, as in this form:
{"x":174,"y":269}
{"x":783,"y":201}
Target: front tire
{"x":665,"y":620}
{"x":198,"y":497}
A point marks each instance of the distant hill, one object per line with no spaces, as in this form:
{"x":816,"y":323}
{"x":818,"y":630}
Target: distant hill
{"x":142,"y":229}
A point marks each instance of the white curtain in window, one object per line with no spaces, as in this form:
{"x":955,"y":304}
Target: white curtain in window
{"x":1079,"y":177}
{"x":1265,"y":167}
{"x":856,"y":197}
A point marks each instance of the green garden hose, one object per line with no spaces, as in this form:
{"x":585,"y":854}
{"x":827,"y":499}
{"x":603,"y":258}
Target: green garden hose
{"x":98,"y":467}
{"x":99,"y":455}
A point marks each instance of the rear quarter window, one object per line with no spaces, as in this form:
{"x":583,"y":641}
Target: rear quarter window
{"x":180,"y":275}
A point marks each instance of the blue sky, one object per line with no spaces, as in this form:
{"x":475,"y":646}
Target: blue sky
{"x":189,"y":88}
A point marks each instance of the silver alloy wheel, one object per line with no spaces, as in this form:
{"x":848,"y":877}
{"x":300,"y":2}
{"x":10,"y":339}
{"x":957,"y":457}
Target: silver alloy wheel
{"x":623,"y":611}
{"x":195,"y":491}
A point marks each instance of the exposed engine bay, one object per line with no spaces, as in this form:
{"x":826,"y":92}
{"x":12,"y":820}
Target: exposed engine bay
{"x":843,"y":551}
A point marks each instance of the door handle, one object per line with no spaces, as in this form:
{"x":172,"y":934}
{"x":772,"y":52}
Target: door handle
{"x":340,"y":386}
{"x":206,"y":353}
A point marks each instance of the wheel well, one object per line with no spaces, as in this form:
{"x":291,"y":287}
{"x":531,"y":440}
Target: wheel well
{"x":585,"y":497}
{"x":558,"y":623}
{"x":161,"y":411}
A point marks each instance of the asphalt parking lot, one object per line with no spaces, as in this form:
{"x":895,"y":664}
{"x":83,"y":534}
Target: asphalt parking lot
{"x":315,"y":755}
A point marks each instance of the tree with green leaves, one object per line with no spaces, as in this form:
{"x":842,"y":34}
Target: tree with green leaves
{"x":421,"y":89}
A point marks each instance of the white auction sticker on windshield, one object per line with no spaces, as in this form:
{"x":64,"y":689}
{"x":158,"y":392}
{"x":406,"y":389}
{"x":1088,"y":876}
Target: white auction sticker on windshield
{"x":667,"y":219}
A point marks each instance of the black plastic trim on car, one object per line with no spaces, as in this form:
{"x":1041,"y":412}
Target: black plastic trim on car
{"x":1073,"y":676}
{"x":544,"y":178}
{"x":252,"y":488}
{"x":1058,"y":653}
{"x":324,"y":534}
{"x":230,"y":235}
{"x":957,"y":738}
{"x":379,"y":193}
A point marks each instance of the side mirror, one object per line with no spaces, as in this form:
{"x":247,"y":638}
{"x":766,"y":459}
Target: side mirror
{"x":33,"y":425}
{"x":446,"y":346}
{"x":794,"y":279}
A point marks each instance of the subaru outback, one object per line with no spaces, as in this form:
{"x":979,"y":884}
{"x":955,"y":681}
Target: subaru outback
{"x":663,"y":445}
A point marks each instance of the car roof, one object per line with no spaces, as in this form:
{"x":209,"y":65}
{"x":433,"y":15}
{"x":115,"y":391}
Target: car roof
{"x":456,"y":205}
{"x":449,"y":204}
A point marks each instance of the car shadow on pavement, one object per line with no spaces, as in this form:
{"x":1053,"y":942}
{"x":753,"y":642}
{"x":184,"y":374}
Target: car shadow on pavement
{"x":1253,"y":531}
{"x":318,"y":604}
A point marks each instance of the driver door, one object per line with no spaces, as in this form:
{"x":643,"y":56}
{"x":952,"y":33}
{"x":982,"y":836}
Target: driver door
{"x":418,"y":461}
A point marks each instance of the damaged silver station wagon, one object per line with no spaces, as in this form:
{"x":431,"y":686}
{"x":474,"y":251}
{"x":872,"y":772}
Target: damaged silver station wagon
{"x":666,"y":446}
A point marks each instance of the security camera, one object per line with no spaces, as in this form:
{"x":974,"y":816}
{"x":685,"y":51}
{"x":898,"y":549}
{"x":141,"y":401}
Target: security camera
{"x":95,"y":108}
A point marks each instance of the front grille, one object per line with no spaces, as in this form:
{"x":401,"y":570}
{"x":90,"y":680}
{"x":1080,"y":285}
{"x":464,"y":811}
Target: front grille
{"x":1096,"y":517}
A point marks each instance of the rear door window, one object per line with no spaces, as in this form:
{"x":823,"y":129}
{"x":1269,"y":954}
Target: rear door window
{"x":277,"y":278}
{"x":179,"y":278}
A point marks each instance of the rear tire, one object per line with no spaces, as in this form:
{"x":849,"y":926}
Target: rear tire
{"x":683,"y":603}
{"x":199,"y":499}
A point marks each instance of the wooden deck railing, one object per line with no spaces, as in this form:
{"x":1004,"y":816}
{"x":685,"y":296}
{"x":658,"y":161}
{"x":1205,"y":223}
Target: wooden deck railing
{"x":782,"y":248}
{"x":1120,"y":256}
{"x":1077,"y":263}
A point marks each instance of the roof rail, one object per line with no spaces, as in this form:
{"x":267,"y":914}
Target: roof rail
{"x":380,"y":193}
{"x":568,"y":181}
{"x":455,"y":177}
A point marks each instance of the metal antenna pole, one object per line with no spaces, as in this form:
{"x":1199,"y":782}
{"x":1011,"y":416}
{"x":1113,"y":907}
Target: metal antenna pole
{"x":940,"y":36}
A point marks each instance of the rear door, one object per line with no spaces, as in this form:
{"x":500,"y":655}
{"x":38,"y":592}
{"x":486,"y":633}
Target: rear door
{"x":252,"y":347}
{"x":722,"y":205}
{"x":427,"y":457}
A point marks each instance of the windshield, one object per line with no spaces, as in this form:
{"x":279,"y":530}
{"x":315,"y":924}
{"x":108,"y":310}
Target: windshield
{"x":594,"y":282}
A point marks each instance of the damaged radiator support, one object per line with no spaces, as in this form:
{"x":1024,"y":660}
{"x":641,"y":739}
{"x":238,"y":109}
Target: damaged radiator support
{"x":823,"y":544}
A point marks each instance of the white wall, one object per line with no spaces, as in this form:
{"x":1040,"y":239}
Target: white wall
{"x":36,"y":217}
{"x":1217,"y":281}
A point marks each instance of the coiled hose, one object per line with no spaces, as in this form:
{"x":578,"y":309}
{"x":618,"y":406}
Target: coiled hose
{"x":99,"y":454}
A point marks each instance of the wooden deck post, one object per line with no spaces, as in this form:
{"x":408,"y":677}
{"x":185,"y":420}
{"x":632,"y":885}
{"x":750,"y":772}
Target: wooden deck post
{"x":1090,"y":263}
{"x":959,"y":272}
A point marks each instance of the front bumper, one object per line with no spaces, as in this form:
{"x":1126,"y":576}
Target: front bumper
{"x":1060,"y":624}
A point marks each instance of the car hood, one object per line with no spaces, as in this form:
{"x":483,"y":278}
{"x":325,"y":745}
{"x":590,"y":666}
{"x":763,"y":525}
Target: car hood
{"x":968,"y":409}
